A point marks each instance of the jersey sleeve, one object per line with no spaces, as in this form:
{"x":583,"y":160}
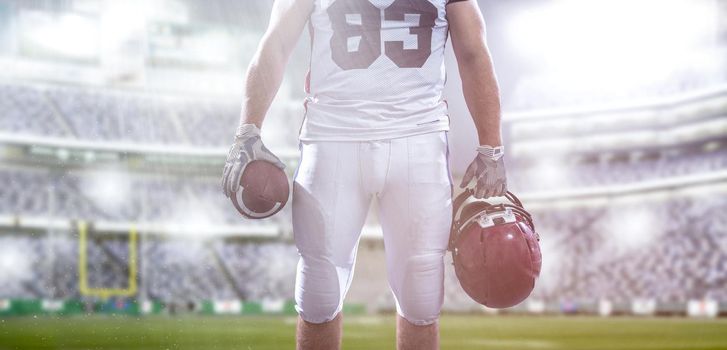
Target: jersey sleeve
{"x":453,"y":1}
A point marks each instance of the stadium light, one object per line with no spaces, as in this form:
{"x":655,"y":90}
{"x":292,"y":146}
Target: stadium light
{"x":63,"y":154}
{"x":122,"y":20}
{"x":194,"y":217}
{"x":551,"y":263}
{"x":109,"y":188}
{"x":212,"y":47}
{"x":89,"y":156}
{"x":70,"y":35}
{"x":633,"y":228}
{"x":550,"y":172}
{"x":603,"y":44}
{"x":14,"y":264}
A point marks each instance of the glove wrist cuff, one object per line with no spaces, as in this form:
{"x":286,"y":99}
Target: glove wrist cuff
{"x":494,"y":153}
{"x":247,"y":130}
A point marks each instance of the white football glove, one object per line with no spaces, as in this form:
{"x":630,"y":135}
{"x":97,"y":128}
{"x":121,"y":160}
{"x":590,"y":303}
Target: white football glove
{"x":247,"y":147}
{"x":488,"y":171}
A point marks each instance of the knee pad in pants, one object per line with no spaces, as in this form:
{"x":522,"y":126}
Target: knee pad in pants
{"x":419,"y":292}
{"x":321,"y":287}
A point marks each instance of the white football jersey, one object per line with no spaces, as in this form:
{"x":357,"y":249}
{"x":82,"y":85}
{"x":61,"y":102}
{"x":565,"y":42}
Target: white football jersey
{"x":377,"y":69}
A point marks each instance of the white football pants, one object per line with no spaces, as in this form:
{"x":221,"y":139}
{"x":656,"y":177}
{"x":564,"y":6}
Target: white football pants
{"x":333,"y":188}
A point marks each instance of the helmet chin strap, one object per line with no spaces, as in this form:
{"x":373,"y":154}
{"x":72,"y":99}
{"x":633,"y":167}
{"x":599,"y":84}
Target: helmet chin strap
{"x":253,"y":214}
{"x":459,"y":203}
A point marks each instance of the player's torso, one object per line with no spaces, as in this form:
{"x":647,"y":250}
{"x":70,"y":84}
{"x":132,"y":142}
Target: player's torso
{"x":376,"y":64}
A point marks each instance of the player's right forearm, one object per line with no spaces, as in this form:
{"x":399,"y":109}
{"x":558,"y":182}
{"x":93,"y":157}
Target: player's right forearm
{"x":264,"y":76}
{"x":265,"y":73}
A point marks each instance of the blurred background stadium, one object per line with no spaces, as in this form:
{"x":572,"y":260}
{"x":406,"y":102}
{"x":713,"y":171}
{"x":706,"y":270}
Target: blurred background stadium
{"x":115,"y":118}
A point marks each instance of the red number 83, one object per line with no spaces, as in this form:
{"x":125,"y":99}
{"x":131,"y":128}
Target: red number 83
{"x":360,"y":19}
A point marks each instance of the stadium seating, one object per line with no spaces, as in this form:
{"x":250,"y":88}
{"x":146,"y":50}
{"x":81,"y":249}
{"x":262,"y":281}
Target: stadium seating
{"x":26,"y":110}
{"x":171,"y":270}
{"x":526,"y":178}
{"x":34,"y":192}
{"x":682,"y":257}
{"x":109,"y":115}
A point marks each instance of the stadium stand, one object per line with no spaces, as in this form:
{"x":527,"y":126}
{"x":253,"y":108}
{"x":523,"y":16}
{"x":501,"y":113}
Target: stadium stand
{"x":109,"y":115}
{"x":172,"y":270}
{"x":26,"y":110}
{"x":34,"y":192}
{"x":604,"y":173}
{"x":682,"y":256}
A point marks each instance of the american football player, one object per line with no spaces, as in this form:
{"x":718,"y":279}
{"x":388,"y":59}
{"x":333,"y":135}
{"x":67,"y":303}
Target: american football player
{"x":375,"y":126}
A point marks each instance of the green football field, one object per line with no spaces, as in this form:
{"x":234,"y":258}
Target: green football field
{"x":361,"y":332}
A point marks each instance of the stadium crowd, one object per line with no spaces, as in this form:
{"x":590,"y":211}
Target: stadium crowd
{"x":169,"y":197}
{"x":557,"y":174}
{"x":677,"y":252}
{"x":109,"y":115}
{"x":170,"y":270}
{"x":672,"y":250}
{"x":108,"y":196}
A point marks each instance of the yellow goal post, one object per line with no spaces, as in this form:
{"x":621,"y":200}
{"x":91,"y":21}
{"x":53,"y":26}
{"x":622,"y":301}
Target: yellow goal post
{"x":105,"y":293}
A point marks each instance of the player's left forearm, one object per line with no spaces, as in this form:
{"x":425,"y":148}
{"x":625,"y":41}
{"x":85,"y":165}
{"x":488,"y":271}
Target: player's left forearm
{"x":482,"y":96}
{"x":481,"y":93}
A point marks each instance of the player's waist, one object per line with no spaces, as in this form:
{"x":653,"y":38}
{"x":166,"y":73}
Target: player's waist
{"x":356,"y":111}
{"x":357,"y":126}
{"x":382,"y":102}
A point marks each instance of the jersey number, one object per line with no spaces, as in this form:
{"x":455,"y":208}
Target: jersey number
{"x":359,"y":22}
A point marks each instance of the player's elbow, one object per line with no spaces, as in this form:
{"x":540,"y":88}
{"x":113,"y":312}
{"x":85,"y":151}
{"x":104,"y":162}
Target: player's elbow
{"x":269,"y":56}
{"x":277,"y":43}
{"x":473,"y":58}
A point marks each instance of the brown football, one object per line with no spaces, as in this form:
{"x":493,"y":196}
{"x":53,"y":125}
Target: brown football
{"x":263,"y":191}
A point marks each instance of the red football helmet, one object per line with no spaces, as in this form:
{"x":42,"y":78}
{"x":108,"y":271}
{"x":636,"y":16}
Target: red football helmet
{"x":495,"y":250}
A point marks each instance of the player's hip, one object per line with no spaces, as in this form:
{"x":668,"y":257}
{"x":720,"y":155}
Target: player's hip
{"x":377,"y":166}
